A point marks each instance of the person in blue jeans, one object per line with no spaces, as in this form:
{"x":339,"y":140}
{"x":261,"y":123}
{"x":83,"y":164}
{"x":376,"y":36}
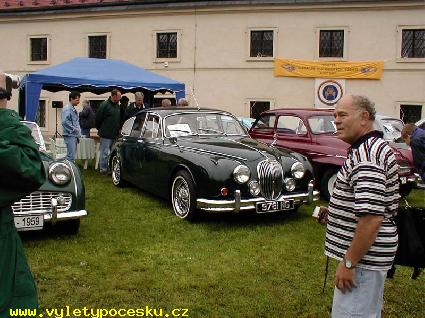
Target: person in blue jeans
{"x":359,"y":232}
{"x":108,"y":125}
{"x":71,"y":130}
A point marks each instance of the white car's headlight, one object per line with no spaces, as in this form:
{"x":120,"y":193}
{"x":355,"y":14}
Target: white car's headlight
{"x":59,"y":173}
{"x":297,"y":170}
{"x":241,"y":174}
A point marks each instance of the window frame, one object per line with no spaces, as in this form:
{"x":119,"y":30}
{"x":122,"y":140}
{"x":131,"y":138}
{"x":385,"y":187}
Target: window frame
{"x":47,"y":106}
{"x":248,"y":101}
{"x":38,"y":36}
{"x":399,"y":39}
{"x":410,"y":103}
{"x":157,"y":59}
{"x":108,"y":41}
{"x":248,"y":44}
{"x":346,"y":31}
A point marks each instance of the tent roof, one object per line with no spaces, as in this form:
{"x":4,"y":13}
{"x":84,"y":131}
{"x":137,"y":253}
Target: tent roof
{"x":99,"y":73}
{"x":91,"y":75}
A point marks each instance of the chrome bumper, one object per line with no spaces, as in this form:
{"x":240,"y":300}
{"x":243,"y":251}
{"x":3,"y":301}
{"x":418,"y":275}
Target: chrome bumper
{"x":54,"y":216}
{"x":239,"y":204}
{"x":50,"y":217}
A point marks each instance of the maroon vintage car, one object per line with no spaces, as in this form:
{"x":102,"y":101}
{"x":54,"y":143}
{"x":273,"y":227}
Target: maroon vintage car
{"x":311,"y":132}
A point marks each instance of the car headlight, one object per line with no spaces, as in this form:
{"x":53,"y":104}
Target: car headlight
{"x":289,"y":184}
{"x":59,"y":173}
{"x":254,"y":188}
{"x":241,"y":174}
{"x":297,"y":170}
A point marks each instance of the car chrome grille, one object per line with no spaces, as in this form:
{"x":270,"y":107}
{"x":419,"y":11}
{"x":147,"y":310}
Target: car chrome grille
{"x":41,"y":202}
{"x":270,"y":175}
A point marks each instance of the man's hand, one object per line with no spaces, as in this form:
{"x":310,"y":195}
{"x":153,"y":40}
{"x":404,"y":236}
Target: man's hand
{"x":323,"y":215}
{"x":344,"y":278}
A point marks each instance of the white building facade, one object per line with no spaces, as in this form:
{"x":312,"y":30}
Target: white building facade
{"x":224,"y":51}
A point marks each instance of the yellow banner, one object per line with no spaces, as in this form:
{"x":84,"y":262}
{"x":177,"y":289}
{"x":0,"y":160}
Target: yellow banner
{"x":328,"y":69}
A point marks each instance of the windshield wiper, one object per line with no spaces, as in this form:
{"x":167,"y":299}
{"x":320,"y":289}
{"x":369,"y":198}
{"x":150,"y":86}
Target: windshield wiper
{"x":213,"y":130}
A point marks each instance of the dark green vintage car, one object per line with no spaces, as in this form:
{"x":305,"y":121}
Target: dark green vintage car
{"x":59,"y":201}
{"x":203,"y":159}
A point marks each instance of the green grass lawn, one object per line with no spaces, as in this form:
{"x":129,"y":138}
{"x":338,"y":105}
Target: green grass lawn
{"x":132,"y":252}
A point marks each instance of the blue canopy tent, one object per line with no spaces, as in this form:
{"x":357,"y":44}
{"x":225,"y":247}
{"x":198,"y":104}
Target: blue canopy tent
{"x":92,"y":75}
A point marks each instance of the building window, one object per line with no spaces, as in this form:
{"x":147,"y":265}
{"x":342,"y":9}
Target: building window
{"x":410,"y":113}
{"x":261,"y":43}
{"x":413,"y":43}
{"x":38,"y":49}
{"x":166,"y":45}
{"x":331,"y":43}
{"x":98,"y":46}
{"x":40,"y":116}
{"x":257,"y":107}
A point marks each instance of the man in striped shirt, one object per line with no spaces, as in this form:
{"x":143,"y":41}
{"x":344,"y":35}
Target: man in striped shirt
{"x":360,"y":234}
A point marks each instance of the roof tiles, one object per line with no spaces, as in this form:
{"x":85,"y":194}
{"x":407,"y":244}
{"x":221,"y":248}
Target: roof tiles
{"x":49,"y":4}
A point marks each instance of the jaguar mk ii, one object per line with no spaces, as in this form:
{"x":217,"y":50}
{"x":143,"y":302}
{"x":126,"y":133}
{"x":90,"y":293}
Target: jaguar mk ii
{"x":203,"y":159}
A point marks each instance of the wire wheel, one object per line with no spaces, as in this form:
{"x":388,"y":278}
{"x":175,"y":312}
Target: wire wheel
{"x":183,"y":196}
{"x":116,"y":171}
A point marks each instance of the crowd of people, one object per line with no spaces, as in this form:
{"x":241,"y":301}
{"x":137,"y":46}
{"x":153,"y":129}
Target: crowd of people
{"x":108,"y":120}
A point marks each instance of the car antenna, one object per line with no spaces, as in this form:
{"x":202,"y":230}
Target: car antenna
{"x":192,"y":93}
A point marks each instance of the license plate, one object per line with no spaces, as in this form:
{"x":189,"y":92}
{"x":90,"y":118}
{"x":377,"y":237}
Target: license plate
{"x":29,"y":222}
{"x":273,"y":206}
{"x":403,"y":180}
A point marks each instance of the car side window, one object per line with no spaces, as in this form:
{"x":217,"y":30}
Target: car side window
{"x":152,"y":127}
{"x":138,"y":125}
{"x":265,"y":122}
{"x":127,"y":126}
{"x":292,"y":125}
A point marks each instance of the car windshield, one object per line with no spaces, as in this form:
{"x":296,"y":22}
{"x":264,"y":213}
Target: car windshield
{"x":322,"y":124}
{"x":391,"y":128}
{"x":187,"y":124}
{"x":36,"y":134}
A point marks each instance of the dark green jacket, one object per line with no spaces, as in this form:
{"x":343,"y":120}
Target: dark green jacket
{"x":21,"y":167}
{"x":108,"y":119}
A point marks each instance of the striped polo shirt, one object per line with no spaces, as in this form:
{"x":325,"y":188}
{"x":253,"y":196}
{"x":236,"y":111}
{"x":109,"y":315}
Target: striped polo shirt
{"x":367,"y":183}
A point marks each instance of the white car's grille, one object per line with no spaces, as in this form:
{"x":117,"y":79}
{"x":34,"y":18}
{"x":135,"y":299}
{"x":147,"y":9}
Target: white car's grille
{"x":270,"y":175}
{"x":41,"y":202}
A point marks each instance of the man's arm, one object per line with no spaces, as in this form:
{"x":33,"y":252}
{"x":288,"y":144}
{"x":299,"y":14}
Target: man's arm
{"x":21,"y":167}
{"x":369,"y":182}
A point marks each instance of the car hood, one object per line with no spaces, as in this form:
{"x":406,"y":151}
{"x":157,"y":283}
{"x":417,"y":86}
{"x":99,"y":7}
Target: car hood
{"x":238,"y":148}
{"x":337,"y":147}
{"x":331,"y":145}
